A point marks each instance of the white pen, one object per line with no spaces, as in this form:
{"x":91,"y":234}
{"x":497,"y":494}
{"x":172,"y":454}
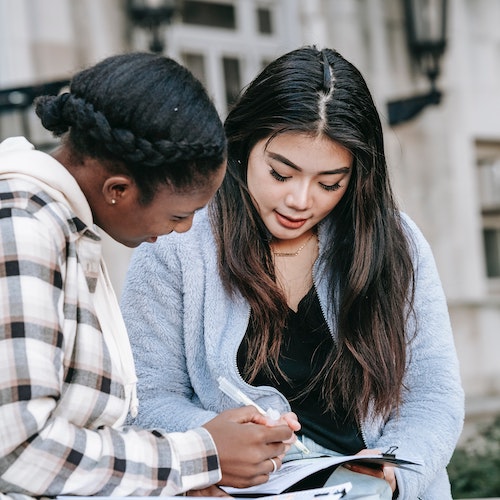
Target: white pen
{"x":239,"y":397}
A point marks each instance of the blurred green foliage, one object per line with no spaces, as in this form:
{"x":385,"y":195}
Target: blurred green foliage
{"x":474,"y":469}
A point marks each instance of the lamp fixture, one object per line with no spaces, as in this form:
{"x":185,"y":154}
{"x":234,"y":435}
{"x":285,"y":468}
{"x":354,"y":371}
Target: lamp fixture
{"x":152,"y":15}
{"x":425,"y":23}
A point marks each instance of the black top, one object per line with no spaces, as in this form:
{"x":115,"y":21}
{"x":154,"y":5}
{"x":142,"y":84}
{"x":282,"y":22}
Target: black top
{"x":307,"y":342}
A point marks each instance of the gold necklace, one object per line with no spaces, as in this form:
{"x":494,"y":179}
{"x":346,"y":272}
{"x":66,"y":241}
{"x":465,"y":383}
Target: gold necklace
{"x":297,"y":252}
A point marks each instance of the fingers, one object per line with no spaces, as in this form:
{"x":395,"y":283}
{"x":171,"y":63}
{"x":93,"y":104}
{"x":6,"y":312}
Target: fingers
{"x":210,"y":491}
{"x":288,"y":419}
{"x":385,"y":472}
{"x":244,"y":448}
{"x":390,"y":476}
{"x":244,"y":414}
{"x":292,"y":421}
{"x":251,"y":414}
{"x":365,"y":469}
{"x":276,"y":464}
{"x":369,"y":451}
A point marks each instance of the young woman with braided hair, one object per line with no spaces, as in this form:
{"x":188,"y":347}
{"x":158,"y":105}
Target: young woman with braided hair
{"x":306,"y":287}
{"x":142,"y":149}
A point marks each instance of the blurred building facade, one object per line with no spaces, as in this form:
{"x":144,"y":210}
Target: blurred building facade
{"x":445,"y":163}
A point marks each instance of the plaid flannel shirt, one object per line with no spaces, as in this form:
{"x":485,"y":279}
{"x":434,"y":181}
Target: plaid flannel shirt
{"x":59,"y":392}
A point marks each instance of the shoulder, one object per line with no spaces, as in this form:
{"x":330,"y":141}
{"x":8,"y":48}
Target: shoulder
{"x":410,"y":226}
{"x":24,"y":205}
{"x":428,"y":282}
{"x":419,"y":246}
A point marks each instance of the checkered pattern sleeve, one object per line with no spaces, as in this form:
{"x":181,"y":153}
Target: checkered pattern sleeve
{"x":44,"y":447}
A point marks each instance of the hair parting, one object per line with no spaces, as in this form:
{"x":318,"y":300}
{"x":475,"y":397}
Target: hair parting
{"x":368,"y":263}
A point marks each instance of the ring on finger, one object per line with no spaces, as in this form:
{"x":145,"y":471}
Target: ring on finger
{"x":275,"y":465}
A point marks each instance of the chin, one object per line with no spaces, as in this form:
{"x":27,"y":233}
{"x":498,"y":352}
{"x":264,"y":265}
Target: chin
{"x":133,"y":244}
{"x":129,"y":244}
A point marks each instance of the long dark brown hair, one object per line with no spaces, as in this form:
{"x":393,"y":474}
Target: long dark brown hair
{"x":368,"y":263}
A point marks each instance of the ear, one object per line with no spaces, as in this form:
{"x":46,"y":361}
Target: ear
{"x":118,"y":188}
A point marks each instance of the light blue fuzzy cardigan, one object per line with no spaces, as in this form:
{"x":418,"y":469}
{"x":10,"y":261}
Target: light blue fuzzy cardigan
{"x":185,"y":332}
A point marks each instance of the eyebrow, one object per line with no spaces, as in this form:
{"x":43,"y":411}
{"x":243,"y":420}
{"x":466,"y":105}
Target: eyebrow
{"x":286,"y":161}
{"x":187,"y":214}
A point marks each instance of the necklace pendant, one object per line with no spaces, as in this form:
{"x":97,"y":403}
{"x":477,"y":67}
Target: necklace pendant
{"x":297,"y":252}
{"x":286,"y":254}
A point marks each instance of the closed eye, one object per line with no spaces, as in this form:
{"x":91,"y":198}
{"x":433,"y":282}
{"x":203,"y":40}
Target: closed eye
{"x":179,"y":218}
{"x":334,"y":187}
{"x":277,"y":176}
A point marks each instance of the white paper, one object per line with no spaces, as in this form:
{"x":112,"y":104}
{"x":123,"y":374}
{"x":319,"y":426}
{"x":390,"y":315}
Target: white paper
{"x":293,"y":471}
{"x":327,"y":493}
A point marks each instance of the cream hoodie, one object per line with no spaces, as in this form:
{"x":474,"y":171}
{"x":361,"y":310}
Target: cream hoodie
{"x":56,"y":181}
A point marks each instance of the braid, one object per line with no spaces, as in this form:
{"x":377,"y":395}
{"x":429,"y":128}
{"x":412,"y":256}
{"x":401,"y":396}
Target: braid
{"x":49,"y":108}
{"x":69,"y":110}
{"x":142,"y":111}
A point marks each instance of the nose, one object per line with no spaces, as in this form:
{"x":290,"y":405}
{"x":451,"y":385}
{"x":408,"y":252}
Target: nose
{"x":299,"y":196}
{"x":184,"y":225}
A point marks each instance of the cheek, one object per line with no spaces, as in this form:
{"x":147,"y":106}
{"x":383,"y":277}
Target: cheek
{"x":257,"y":186}
{"x":328,"y":203}
{"x":268,"y":196}
{"x":144,"y":222}
{"x":252,"y":182}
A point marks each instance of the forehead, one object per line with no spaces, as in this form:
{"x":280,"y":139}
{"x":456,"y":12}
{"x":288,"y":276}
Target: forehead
{"x":186,"y":200}
{"x":174,"y":201}
{"x":307,"y":147}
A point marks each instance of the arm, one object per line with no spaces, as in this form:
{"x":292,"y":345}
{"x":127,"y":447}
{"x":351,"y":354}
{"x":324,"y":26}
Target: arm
{"x":431,"y":417}
{"x":157,"y":321}
{"x":50,"y":443}
{"x":42,"y":451}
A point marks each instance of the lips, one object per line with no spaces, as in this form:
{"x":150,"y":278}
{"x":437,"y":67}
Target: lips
{"x":290,"y":223}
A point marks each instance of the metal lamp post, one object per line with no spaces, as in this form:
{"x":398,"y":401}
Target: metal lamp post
{"x":426,"y":39}
{"x":152,"y":15}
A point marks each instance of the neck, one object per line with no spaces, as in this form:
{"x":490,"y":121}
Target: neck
{"x":292,"y":248}
{"x":88,"y":173}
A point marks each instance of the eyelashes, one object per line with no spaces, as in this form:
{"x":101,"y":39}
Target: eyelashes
{"x":334,"y":187}
{"x":281,"y":178}
{"x":277,"y":176}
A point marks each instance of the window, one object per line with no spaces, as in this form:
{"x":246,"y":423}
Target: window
{"x":264,"y":21}
{"x":196,"y":64}
{"x":492,"y":249}
{"x":489,"y":182}
{"x":216,"y":15}
{"x":488,"y":163}
{"x":232,"y":79}
{"x":226,"y":42}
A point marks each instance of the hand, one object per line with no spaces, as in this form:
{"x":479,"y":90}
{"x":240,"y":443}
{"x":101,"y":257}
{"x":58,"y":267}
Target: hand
{"x":289,"y":419}
{"x":384,"y":472}
{"x":245,"y":444}
{"x":210,"y":491}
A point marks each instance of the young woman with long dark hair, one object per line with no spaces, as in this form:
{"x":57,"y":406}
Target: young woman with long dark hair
{"x":305,"y":286}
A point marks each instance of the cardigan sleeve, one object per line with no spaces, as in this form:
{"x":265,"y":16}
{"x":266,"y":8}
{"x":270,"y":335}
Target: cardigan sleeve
{"x":41,"y":451}
{"x":156,"y":320}
{"x":430,"y":420}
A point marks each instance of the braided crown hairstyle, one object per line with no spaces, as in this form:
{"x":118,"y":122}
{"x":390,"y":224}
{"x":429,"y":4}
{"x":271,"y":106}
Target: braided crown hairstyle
{"x":367,"y":264}
{"x":143,"y":114}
